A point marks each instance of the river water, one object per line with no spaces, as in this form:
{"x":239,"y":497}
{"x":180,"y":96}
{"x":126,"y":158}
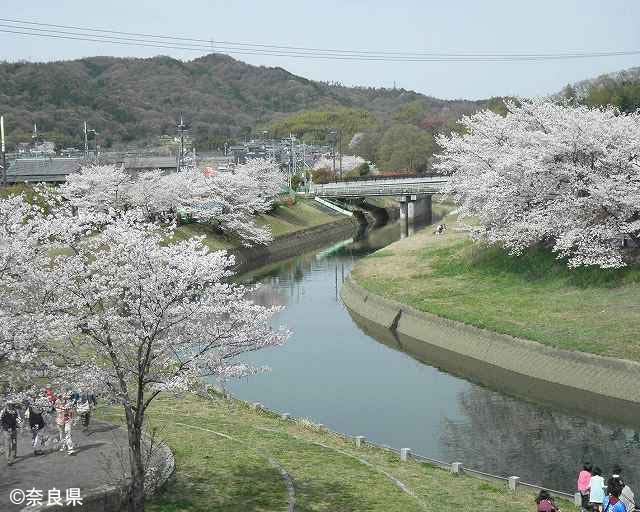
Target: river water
{"x":333,"y":373}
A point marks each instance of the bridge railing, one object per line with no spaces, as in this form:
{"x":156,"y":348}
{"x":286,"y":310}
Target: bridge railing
{"x":395,"y":187}
{"x":385,"y":177}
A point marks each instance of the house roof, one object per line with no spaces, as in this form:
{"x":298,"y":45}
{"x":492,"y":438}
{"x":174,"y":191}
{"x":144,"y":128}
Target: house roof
{"x":42,"y":169}
{"x":150,"y":162}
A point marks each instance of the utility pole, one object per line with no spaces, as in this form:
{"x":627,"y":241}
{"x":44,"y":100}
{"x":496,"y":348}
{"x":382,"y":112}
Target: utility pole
{"x":34,"y":137}
{"x":95,"y":142}
{"x":4,"y":154}
{"x":86,"y":143}
{"x":340,"y":150}
{"x":292,"y":164}
{"x":181,"y":128}
{"x":333,"y":134}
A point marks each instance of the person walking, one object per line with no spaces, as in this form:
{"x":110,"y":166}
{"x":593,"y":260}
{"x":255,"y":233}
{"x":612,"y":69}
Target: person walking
{"x":612,"y":503}
{"x":626,"y":496}
{"x":596,"y":490}
{"x":65,"y":414}
{"x":34,"y":414}
{"x":87,"y":401}
{"x":49,"y":394}
{"x":9,"y":422}
{"x":584,"y":477}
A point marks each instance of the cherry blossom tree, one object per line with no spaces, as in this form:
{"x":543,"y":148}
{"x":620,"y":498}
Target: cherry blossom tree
{"x":27,"y":229}
{"x":229,"y":200}
{"x":155,"y":193}
{"x":16,"y":344}
{"x":98,"y":188}
{"x":349,"y":162}
{"x":234,"y":199}
{"x":118,"y":309}
{"x":556,"y":174}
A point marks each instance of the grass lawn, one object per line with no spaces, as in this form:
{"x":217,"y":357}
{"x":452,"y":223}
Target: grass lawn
{"x":533,"y":296}
{"x":282,"y":221}
{"x":17,"y":188}
{"x":215,"y":473}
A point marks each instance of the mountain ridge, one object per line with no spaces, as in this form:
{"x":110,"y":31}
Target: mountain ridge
{"x":135,"y":99}
{"x":132,"y":101}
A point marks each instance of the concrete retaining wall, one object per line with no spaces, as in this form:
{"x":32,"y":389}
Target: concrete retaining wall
{"x":593,"y":385}
{"x":294,"y":244}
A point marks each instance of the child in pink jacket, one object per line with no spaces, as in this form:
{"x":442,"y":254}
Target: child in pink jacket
{"x":584,"y":478}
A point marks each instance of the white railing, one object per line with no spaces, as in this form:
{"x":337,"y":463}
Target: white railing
{"x":396,"y":187}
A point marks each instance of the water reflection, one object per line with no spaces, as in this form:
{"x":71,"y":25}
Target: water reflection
{"x":502,"y":435}
{"x":535,"y":436}
{"x":360,"y":381}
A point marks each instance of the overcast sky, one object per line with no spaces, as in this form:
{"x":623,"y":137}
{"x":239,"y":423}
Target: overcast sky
{"x":540,"y":26}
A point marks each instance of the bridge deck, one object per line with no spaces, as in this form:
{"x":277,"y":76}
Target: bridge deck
{"x":395,"y":187}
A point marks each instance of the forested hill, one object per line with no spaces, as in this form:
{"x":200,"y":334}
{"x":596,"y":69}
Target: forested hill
{"x":130,"y":100}
{"x":621,"y":89}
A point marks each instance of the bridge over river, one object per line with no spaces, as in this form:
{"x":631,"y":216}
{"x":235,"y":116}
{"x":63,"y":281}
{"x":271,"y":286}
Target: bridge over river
{"x":412,"y":192}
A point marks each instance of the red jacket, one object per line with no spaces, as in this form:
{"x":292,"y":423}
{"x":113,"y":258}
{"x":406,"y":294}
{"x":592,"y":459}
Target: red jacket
{"x":50,"y":396}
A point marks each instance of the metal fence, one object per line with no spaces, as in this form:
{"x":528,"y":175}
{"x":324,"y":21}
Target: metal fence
{"x":456,"y":468}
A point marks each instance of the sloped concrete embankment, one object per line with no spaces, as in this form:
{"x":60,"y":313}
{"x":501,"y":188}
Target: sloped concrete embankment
{"x":293,"y":244}
{"x":593,"y":385}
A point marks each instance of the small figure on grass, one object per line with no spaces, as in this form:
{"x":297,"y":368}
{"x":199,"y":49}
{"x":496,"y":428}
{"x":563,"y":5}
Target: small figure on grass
{"x":545,"y":503}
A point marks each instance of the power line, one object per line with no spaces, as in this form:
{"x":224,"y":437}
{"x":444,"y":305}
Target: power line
{"x":379,"y":58}
{"x":309,"y":49}
{"x":29,"y":28}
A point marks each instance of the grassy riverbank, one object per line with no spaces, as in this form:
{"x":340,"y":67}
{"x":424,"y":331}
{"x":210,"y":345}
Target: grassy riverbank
{"x":284,"y":219}
{"x":215,"y":473}
{"x":287,"y":217}
{"x":533,"y":296}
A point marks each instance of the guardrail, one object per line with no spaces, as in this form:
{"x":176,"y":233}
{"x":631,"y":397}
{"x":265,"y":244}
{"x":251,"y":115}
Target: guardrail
{"x":334,"y":207}
{"x":455,"y":468}
{"x":395,"y":187}
{"x":385,"y":177}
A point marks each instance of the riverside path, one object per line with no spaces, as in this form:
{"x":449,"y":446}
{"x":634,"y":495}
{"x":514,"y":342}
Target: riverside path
{"x":98,"y":461}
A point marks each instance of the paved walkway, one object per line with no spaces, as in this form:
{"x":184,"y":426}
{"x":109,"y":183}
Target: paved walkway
{"x":99,"y":460}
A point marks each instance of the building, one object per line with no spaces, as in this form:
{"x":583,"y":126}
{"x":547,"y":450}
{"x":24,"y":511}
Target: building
{"x":36,"y":170}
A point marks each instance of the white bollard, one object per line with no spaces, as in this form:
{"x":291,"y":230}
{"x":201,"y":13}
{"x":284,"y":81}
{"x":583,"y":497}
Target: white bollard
{"x":513,"y":482}
{"x":577,"y":499}
{"x":360,"y":440}
{"x":457,"y":468}
{"x":405,"y":453}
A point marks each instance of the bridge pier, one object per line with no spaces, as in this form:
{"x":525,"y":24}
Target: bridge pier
{"x":412,"y":192}
{"x":414,"y":208}
{"x":403,"y":211}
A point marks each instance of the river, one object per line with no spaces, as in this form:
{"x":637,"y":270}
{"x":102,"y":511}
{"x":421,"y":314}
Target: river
{"x":333,"y":373}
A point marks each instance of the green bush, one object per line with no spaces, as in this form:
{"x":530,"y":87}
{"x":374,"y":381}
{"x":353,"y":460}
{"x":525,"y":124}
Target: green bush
{"x":323,"y":176}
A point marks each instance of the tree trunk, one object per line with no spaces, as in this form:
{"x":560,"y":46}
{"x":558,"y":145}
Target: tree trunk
{"x":135,"y":499}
